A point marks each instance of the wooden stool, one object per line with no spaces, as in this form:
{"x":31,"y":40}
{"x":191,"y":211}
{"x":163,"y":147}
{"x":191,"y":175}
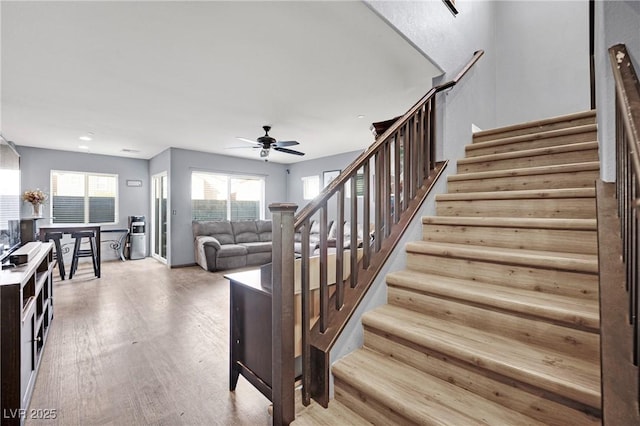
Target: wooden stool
{"x":78,"y":253}
{"x":57,"y":255}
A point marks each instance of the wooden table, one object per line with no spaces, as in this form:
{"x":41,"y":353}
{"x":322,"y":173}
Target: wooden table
{"x":70,"y":229}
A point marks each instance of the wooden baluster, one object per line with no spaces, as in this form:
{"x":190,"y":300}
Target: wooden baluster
{"x":432,"y":135}
{"x":406,"y":175}
{"x":427,"y":140}
{"x":378,"y":201}
{"x":324,"y":290}
{"x":282,"y":314}
{"x":413,"y":141}
{"x":340,"y":250}
{"x":353,"y":279}
{"x":306,"y":313}
{"x":366,"y":216}
{"x":386,"y":194}
{"x":407,"y":164}
{"x":420,"y":148}
{"x":396,"y":179}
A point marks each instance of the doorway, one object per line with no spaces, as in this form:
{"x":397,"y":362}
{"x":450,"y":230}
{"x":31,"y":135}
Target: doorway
{"x":159,"y":217}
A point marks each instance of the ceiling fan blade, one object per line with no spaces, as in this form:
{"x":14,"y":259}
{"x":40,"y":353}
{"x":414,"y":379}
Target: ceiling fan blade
{"x":288,"y":151}
{"x":247,"y":140}
{"x":287,"y":143}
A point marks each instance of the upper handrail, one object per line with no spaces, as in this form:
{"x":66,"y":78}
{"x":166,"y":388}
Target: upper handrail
{"x":311,"y":208}
{"x":627,"y":139}
{"x":628,"y":90}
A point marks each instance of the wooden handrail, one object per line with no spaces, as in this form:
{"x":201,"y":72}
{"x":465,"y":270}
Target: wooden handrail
{"x":388,"y":183}
{"x":627,"y":112}
{"x":312,"y":207}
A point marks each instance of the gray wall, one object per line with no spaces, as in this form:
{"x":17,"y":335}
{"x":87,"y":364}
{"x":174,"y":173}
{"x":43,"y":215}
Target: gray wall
{"x":183,"y":162}
{"x":36,"y":165}
{"x":542,"y":59}
{"x":314,"y":167}
{"x":616,"y":22}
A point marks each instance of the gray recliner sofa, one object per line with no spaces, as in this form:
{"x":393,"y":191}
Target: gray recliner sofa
{"x":231,"y":244}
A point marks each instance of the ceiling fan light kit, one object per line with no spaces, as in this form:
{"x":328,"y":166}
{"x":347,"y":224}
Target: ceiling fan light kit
{"x":266,"y":142}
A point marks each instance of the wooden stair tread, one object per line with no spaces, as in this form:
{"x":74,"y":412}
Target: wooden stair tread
{"x":527,"y":171}
{"x":336,"y":414}
{"x":536,"y":123}
{"x":586,"y":263}
{"x":566,"y":310}
{"x":558,"y":373}
{"x":419,"y":397}
{"x":578,"y":146}
{"x":521,"y":194}
{"x":587,"y":128}
{"x":513,"y":222}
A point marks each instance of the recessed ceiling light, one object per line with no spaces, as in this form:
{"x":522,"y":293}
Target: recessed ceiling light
{"x":130,"y":151}
{"x":361,"y":116}
{"x":87,"y":137}
{"x":83,"y":147}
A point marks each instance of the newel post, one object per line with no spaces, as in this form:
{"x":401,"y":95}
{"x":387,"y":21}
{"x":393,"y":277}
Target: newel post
{"x":282,"y":313}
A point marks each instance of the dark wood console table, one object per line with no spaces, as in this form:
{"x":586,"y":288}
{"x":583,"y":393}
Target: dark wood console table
{"x":250,"y":322}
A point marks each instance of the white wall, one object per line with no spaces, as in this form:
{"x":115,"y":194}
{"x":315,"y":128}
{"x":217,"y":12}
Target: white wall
{"x":616,"y":22}
{"x":450,"y":42}
{"x":542,"y":59}
{"x":183,"y":162}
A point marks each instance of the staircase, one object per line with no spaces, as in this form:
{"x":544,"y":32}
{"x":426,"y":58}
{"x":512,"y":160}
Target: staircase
{"x":496,"y":318}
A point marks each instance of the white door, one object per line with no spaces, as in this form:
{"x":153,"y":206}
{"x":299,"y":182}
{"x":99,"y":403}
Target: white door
{"x":159,"y":217}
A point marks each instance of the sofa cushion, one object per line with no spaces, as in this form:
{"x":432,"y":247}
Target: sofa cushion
{"x":221,"y":229}
{"x":229,"y":250}
{"x":245,"y":231}
{"x":264,"y":230}
{"x":258,"y":247}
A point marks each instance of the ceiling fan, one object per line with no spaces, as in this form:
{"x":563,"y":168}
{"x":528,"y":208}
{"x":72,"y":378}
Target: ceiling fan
{"x":266,"y":142}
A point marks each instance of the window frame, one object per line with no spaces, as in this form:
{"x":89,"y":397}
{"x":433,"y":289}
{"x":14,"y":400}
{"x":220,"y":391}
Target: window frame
{"x":116,"y":206}
{"x":305,"y":179}
{"x":229,"y":177}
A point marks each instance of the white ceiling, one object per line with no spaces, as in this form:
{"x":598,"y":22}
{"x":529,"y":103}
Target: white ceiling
{"x":147,"y":76}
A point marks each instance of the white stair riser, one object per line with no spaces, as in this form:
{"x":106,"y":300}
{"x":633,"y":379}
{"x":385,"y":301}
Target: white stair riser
{"x":576,"y":208}
{"x":579,"y":343}
{"x":514,"y":395}
{"x":564,"y":283}
{"x":584,"y":179}
{"x":552,"y":159}
{"x":571,"y":241}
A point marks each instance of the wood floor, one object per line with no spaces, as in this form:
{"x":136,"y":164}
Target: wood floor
{"x":143,"y":345}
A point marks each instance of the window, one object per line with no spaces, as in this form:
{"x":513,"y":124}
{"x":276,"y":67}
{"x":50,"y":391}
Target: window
{"x":84,"y":197}
{"x":310,"y":187}
{"x":359,"y":186}
{"x":219,"y":197}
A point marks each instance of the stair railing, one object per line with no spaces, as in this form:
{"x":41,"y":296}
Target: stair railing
{"x":627,"y":111}
{"x":366,"y":208}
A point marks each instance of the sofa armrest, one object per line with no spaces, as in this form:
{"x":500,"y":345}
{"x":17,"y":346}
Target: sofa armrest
{"x":202,"y":240}
{"x":201,"y":256}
